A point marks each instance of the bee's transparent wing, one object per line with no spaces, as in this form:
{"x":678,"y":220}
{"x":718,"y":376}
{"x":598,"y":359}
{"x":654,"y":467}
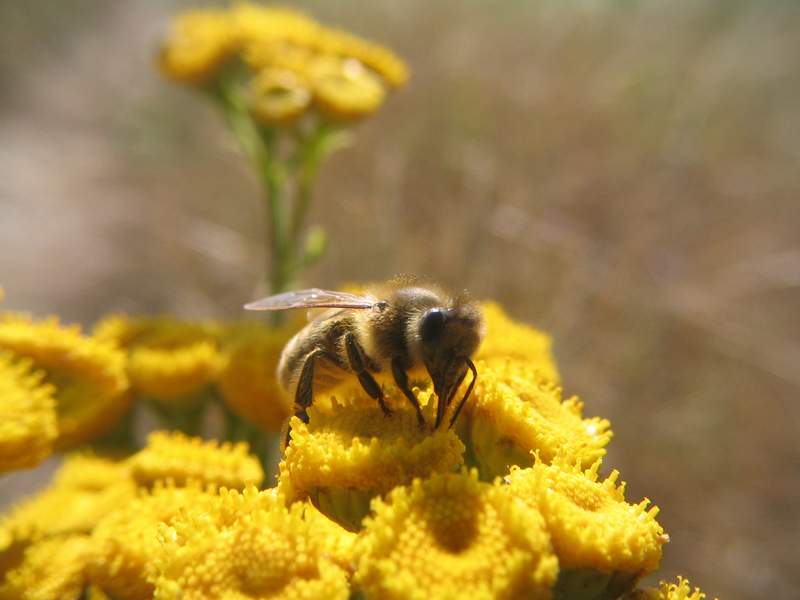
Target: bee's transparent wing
{"x":313,"y":298}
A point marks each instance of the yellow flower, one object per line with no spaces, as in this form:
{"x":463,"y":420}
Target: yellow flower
{"x":452,"y":536}
{"x":264,"y":30}
{"x":348,"y":92}
{"x":257,"y":24}
{"x":198,"y":44}
{"x":127,"y":539}
{"x":51,"y":569}
{"x":278,"y":96}
{"x":350,"y":452}
{"x":668,"y":591}
{"x":337,"y":543}
{"x":506,"y":338}
{"x":179,"y":458}
{"x":84,"y":490}
{"x":515,"y":411}
{"x":591,"y":525}
{"x":248,"y":380}
{"x":168,"y":360}
{"x":378,"y":58}
{"x":251,"y":546}
{"x":27,"y":415}
{"x":88,"y":374}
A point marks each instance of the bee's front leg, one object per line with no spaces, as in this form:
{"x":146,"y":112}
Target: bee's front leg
{"x":401,"y":379}
{"x":355,"y":354}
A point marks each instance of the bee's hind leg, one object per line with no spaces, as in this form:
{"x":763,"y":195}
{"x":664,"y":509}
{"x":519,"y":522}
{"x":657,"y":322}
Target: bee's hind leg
{"x":355,"y":354}
{"x":304,"y":393}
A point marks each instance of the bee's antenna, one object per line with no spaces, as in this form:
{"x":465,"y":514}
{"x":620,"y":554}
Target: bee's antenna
{"x":471,"y":365}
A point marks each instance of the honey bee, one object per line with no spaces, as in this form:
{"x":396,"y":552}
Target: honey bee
{"x":398,"y":328}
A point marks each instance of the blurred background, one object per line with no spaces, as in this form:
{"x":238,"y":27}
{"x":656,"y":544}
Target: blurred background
{"x":624,"y":175}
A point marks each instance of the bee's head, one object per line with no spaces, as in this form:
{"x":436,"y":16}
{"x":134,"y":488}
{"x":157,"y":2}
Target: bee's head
{"x":448,"y":336}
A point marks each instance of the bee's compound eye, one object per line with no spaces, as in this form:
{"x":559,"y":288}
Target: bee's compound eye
{"x":432,"y":324}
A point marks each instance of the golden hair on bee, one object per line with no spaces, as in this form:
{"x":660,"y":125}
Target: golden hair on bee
{"x":398,"y":327}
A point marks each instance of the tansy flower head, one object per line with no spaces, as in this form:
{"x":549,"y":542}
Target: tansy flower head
{"x":668,"y":591}
{"x":258,"y":24}
{"x":515,"y":411}
{"x":27,"y":415}
{"x":591,"y":525}
{"x":348,"y":92}
{"x":350,"y":451}
{"x":247,"y":380}
{"x":246,"y":548}
{"x":168,"y":360}
{"x":506,"y":338}
{"x":179,"y":458}
{"x":88,"y":374}
{"x":50,"y":569}
{"x":278,"y":96}
{"x":452,"y":536}
{"x":198,"y":43}
{"x":126,"y":539}
{"x":84,"y":490}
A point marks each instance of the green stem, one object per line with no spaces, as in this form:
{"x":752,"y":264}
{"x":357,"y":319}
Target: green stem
{"x":260,"y":145}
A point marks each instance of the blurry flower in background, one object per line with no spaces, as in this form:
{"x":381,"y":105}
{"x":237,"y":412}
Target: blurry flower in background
{"x":247,"y":379}
{"x":27,"y":415}
{"x":54,"y":568}
{"x":169,"y":361}
{"x":289,"y":89}
{"x":88,"y":374}
{"x":175,"y":457}
{"x":199,"y":42}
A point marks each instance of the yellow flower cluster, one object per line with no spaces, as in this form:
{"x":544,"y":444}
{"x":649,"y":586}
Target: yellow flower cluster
{"x":508,"y":504}
{"x":88,"y":374}
{"x":247,"y":545}
{"x":297,"y":63}
{"x":169,"y":361}
{"x":28,"y":426}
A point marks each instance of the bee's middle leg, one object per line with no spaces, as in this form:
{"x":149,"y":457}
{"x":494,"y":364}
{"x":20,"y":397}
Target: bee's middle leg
{"x":355,"y":354}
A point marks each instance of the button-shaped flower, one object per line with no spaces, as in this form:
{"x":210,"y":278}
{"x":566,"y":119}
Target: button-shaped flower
{"x":179,"y":458}
{"x":350,"y":452}
{"x":452,"y":536}
{"x":88,"y":374}
{"x":515,"y":411}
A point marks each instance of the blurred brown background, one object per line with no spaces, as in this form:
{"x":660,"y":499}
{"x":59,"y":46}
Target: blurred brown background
{"x":622,"y":174}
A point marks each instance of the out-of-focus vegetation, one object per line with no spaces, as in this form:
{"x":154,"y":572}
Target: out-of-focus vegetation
{"x":622,"y":174}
